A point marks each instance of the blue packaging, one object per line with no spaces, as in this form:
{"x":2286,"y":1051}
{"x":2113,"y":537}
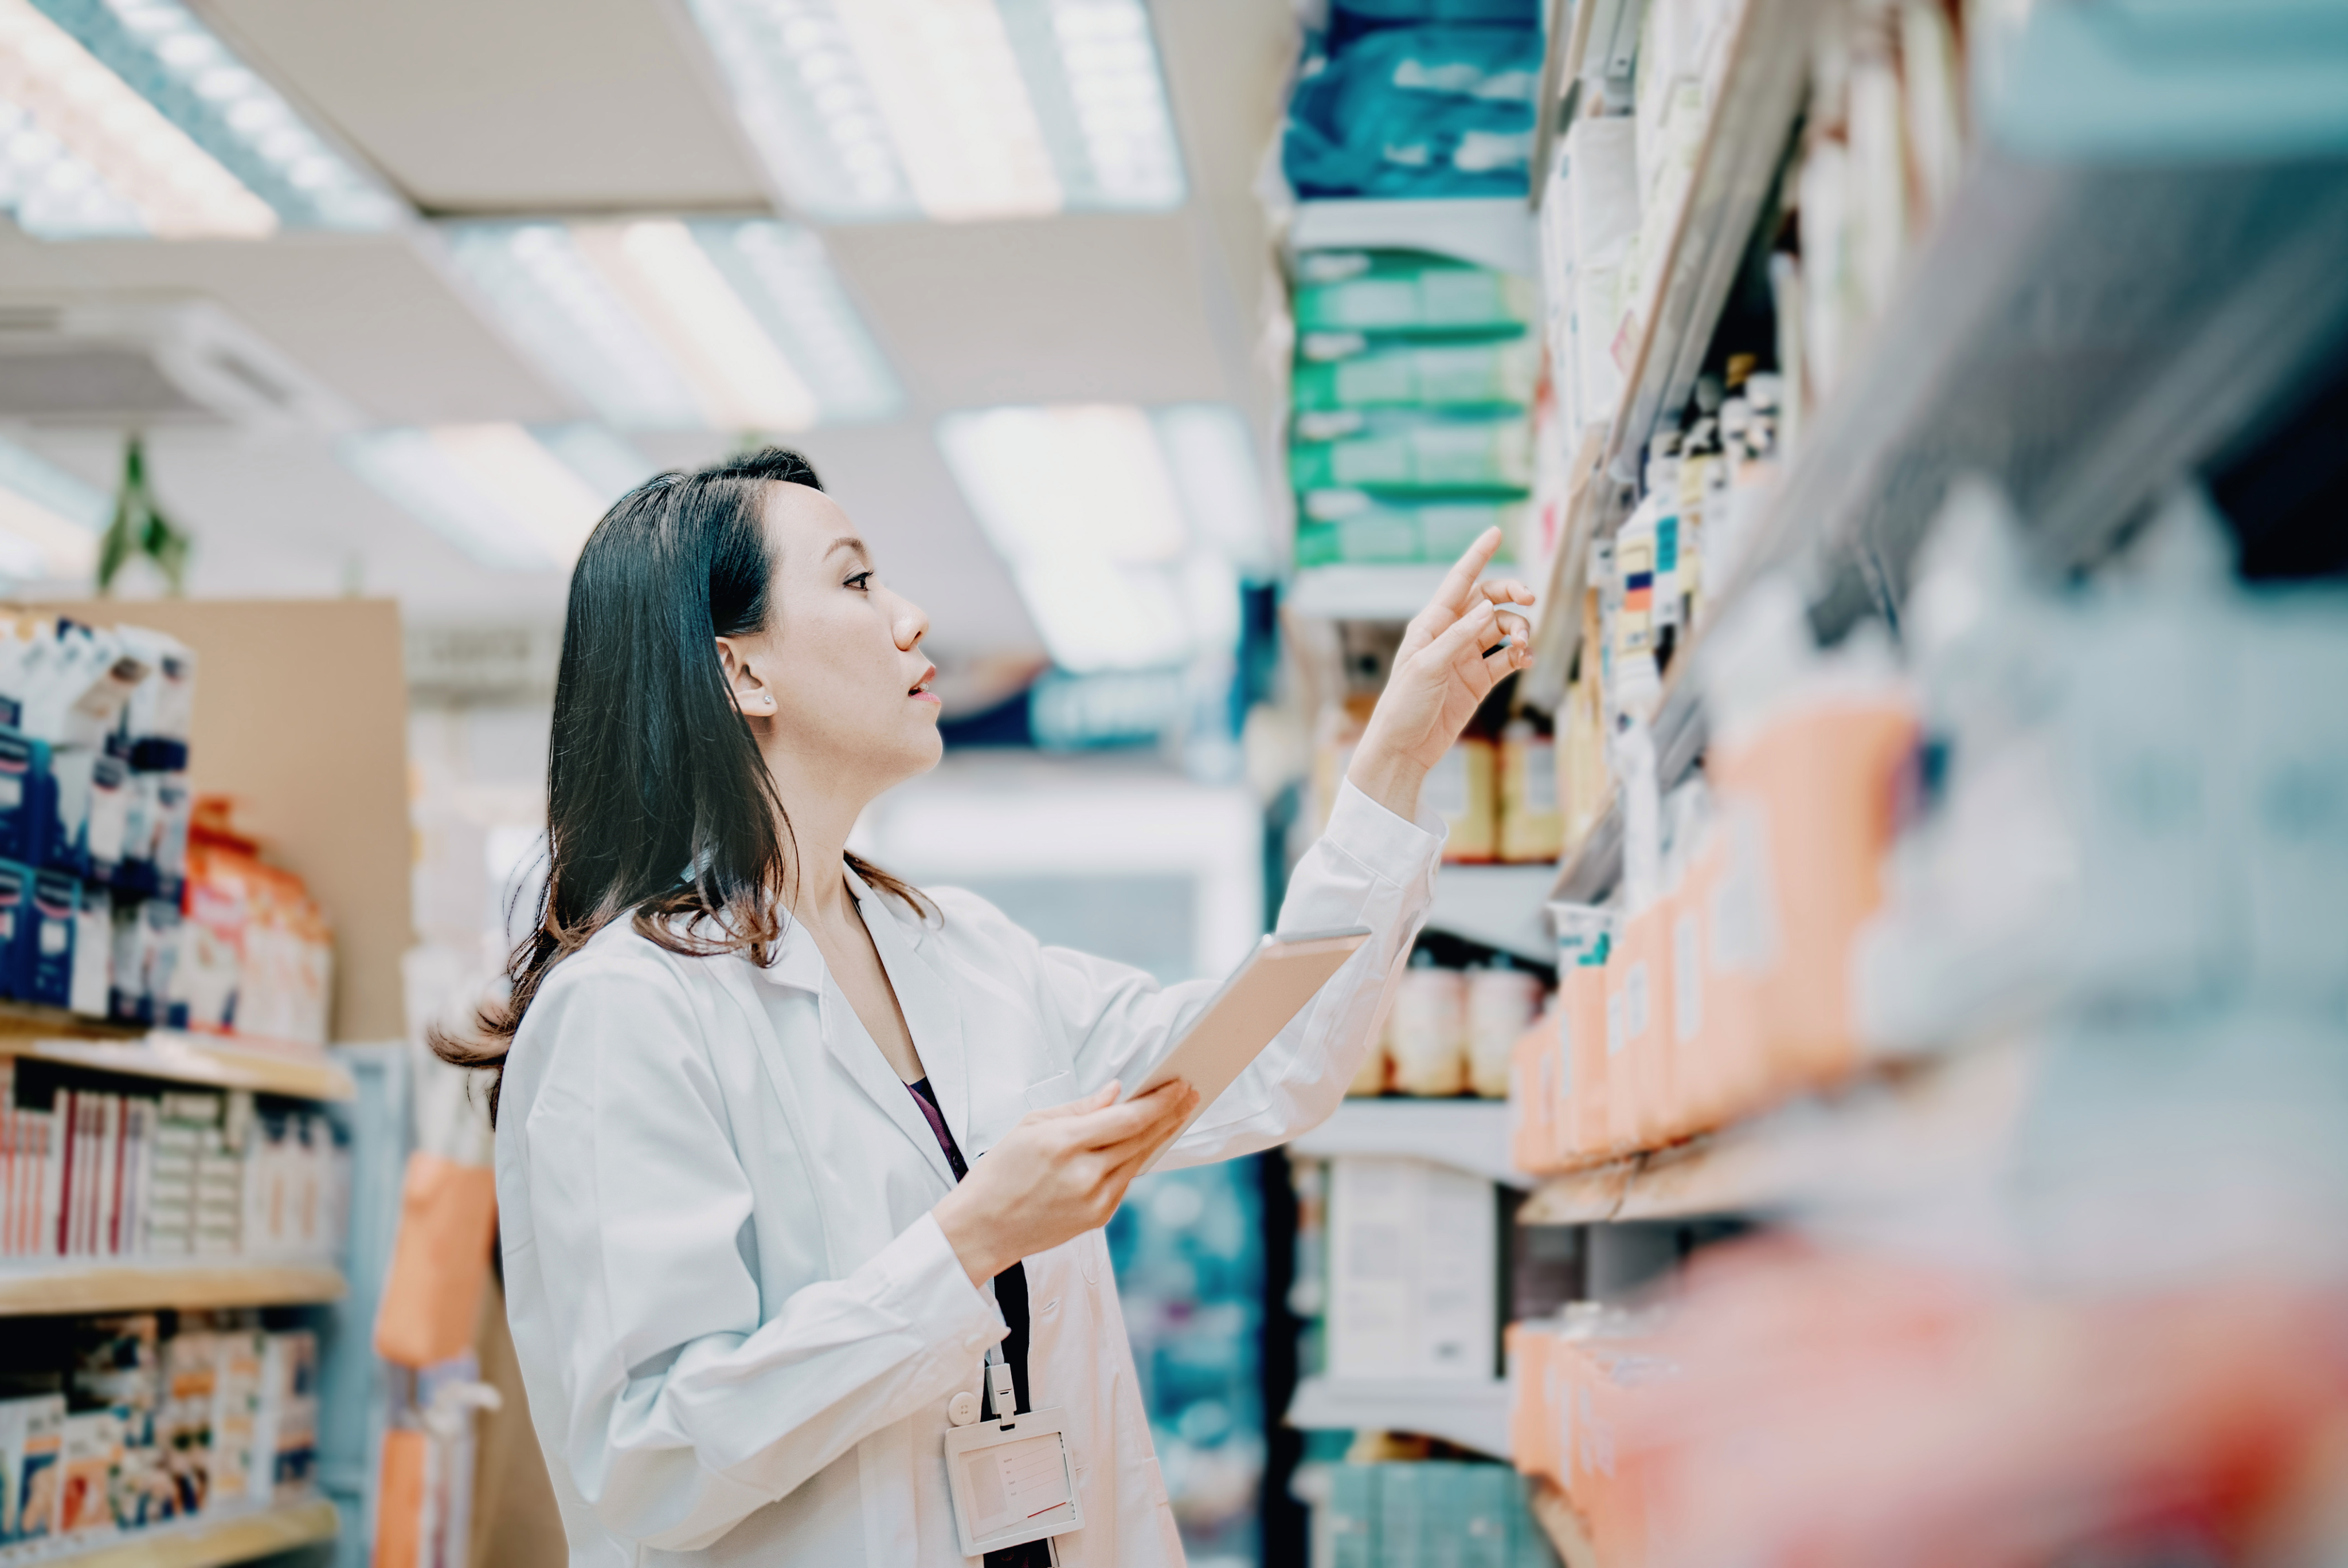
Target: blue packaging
{"x":15,"y":927}
{"x":26,"y":788}
{"x":50,"y":970}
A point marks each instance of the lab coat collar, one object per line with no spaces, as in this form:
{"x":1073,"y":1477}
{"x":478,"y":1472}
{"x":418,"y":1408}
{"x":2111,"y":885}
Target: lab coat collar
{"x":928,"y":1005}
{"x":922,"y":994}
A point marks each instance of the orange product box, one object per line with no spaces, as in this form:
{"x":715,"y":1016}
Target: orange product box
{"x":1636,"y":1032}
{"x":1535,"y":1066}
{"x":1536,"y":1381}
{"x":1824,"y":782}
{"x":1582,"y":1009}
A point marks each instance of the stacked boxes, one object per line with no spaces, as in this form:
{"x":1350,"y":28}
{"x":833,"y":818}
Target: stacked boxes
{"x":137,"y":1428}
{"x":1420,"y":1513}
{"x":1576,"y":1387}
{"x":1410,"y":434}
{"x":93,"y":1166}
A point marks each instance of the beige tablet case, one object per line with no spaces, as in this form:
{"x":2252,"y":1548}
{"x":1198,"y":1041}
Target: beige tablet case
{"x":1256,"y":1003}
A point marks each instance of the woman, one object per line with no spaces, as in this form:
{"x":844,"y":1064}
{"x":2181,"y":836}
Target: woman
{"x":745,"y":1271}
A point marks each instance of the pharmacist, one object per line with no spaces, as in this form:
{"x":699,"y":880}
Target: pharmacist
{"x":745,"y":1072}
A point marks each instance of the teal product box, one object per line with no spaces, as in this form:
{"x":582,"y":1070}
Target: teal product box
{"x":16,"y":924}
{"x":1335,"y":525}
{"x":1409,"y":451}
{"x":1407,"y":292}
{"x":1349,"y":370}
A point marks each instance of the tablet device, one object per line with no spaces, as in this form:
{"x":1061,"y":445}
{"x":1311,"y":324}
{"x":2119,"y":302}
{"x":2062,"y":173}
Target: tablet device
{"x":1255,"y":1004}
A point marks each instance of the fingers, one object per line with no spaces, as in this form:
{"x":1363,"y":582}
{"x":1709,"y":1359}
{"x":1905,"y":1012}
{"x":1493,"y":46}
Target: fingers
{"x":1099,"y":1098}
{"x":1508,"y":590}
{"x":1103,"y":1127}
{"x":1458,"y":584}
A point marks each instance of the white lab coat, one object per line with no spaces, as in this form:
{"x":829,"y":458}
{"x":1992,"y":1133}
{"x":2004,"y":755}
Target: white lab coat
{"x":737,"y":1323}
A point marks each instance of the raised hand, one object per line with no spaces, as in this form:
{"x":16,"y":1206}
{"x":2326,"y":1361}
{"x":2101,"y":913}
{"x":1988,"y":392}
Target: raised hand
{"x":1457,"y":650}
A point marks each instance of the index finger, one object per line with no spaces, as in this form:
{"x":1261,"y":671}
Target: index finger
{"x":1122,"y":1123}
{"x":1459,"y":582}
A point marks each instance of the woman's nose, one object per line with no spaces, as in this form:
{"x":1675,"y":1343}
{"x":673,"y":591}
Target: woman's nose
{"x":913,"y":624}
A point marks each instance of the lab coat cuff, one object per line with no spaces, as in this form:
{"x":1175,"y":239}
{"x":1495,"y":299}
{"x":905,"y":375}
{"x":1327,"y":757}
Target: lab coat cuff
{"x":927,"y":1284}
{"x":1389,"y":846}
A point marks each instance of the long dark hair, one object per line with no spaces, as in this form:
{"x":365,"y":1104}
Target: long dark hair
{"x":658,"y":804}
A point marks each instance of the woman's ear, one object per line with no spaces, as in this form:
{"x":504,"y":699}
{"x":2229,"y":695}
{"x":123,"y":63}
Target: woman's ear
{"x":750,"y":694}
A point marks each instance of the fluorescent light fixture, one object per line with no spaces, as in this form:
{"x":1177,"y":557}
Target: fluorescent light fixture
{"x":50,"y":522}
{"x":130,"y":117}
{"x":950,"y":110}
{"x":664,"y":324}
{"x":1083,"y":502}
{"x":512,"y":498}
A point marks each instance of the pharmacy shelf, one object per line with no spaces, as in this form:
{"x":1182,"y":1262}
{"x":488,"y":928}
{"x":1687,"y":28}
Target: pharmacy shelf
{"x":1475,"y":1415}
{"x":1595,"y":864}
{"x":29,"y":1018}
{"x":1362,"y":591}
{"x":300,"y":1072}
{"x":1491,"y":231}
{"x":2084,"y":335}
{"x":198,"y":1542}
{"x":1469,"y":1135}
{"x":1894,"y":1131}
{"x":1736,"y":166}
{"x":55,"y":1286}
{"x":1497,"y":905}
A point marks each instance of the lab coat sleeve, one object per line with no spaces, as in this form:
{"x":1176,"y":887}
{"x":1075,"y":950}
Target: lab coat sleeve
{"x":1369,"y":868}
{"x":687,"y":1412}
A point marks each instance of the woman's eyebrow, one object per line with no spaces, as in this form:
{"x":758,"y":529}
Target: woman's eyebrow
{"x":848,"y":542}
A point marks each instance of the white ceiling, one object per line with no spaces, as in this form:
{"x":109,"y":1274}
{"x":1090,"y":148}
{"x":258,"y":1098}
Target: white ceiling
{"x":589,"y":105}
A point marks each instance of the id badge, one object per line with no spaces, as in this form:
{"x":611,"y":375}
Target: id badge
{"x":1012,"y":1481}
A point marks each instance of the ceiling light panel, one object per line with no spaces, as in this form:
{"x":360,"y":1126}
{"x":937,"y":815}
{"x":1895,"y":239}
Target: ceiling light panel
{"x":950,"y":110}
{"x":1082,"y":503}
{"x":513,"y":498}
{"x":132,"y":117}
{"x":661,"y":325}
{"x":50,"y":522}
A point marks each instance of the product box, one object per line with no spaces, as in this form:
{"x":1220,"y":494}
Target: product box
{"x":1458,"y":789}
{"x":191,"y":1377}
{"x":24,"y":790}
{"x":1636,"y":1033}
{"x":1537,"y":1068}
{"x":93,"y":951}
{"x":57,"y":918}
{"x":93,"y":1451}
{"x":1413,"y":1272}
{"x":1532,"y":828}
{"x":16,"y":924}
{"x":237,"y":1476}
{"x":1823,"y":781}
{"x":32,"y":1439}
{"x":1571,"y":1392}
{"x":286,"y":1431}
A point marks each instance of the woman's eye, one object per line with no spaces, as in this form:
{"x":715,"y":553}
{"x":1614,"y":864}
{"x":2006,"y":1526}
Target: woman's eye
{"x":861,"y":582}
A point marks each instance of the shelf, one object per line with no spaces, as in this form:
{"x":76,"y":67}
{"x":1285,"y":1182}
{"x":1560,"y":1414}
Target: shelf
{"x":30,"y":1018}
{"x":1893,"y":1132}
{"x":42,"y":1287}
{"x":1497,"y":905}
{"x":1469,"y":1135}
{"x":1364,"y":592}
{"x":2084,"y":335}
{"x":1491,"y":231}
{"x":1736,"y":166}
{"x":1473,"y":1415}
{"x":265,"y":1068}
{"x":198,"y":1542}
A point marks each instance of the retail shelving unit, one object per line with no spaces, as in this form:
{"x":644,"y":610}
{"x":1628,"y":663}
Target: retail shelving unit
{"x":1469,"y":1135}
{"x":1473,"y":1415}
{"x":203,"y":1543}
{"x":314,"y":751}
{"x":63,"y":1286}
{"x":222,"y":1062}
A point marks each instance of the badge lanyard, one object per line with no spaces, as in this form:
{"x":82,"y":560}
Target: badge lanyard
{"x":1010,"y":1476}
